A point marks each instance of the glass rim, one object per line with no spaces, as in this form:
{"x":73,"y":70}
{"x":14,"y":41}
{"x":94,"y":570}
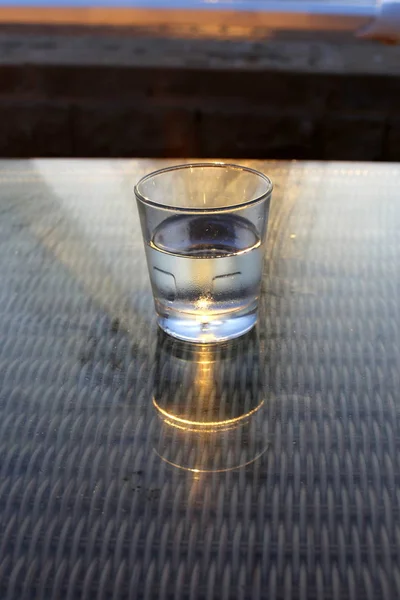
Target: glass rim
{"x":210,"y":165}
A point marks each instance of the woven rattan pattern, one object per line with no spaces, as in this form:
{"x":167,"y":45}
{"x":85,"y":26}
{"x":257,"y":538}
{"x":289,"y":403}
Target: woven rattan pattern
{"x":89,"y":508}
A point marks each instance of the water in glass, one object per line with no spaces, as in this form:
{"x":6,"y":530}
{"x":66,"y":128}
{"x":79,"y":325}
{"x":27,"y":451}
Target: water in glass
{"x":205,"y":272}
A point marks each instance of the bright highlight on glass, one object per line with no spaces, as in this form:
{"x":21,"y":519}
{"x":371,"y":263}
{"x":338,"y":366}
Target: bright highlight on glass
{"x":204,"y":228}
{"x":210,"y":404}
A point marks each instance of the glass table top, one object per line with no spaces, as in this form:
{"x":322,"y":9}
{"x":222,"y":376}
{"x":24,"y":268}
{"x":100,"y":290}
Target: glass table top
{"x":134,"y":466}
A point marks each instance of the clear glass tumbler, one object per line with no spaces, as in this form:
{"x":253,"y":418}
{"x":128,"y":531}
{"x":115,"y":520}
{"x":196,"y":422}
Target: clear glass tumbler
{"x":204,"y":227}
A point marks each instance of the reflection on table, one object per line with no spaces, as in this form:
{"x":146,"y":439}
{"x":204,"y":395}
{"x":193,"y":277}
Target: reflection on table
{"x":209,"y":399}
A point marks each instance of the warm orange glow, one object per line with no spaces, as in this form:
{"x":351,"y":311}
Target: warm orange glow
{"x":203,"y":385}
{"x":203,"y":303}
{"x":203,"y":437}
{"x":207,"y":22}
{"x":204,"y":424}
{"x":204,"y":429}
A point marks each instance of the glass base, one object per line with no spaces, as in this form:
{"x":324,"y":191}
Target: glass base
{"x":220,"y":329}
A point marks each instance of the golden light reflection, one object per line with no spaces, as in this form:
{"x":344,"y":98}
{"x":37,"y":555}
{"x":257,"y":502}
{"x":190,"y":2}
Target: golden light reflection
{"x":205,"y":402}
{"x":201,"y":304}
{"x":206,"y":422}
{"x":204,"y":379}
{"x":186,"y":424}
{"x":203,"y":428}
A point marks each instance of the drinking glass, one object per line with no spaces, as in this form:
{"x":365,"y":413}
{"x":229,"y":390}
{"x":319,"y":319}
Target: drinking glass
{"x":204,"y":227}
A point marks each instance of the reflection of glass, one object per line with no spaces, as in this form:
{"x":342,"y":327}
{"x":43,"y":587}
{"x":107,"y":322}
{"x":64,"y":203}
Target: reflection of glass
{"x":204,"y":229}
{"x":209,"y":400}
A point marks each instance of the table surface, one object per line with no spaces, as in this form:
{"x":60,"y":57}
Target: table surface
{"x":102,"y":495}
